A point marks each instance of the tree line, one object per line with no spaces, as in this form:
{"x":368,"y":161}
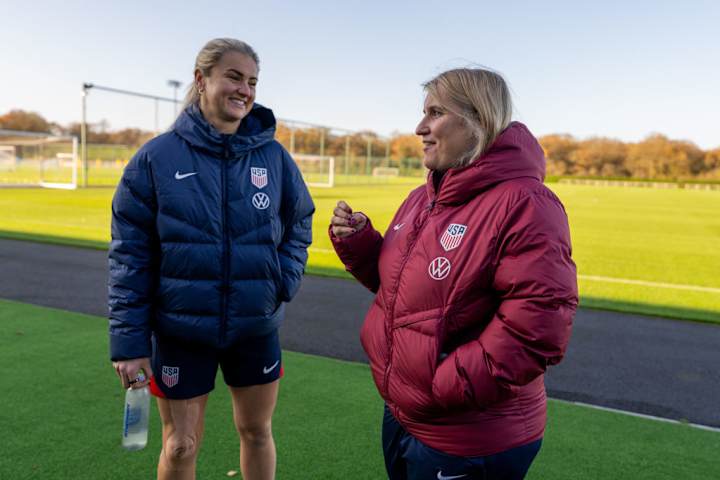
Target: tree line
{"x":655,"y":157}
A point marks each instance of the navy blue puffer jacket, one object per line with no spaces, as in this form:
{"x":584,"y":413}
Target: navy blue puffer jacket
{"x":209,"y":236}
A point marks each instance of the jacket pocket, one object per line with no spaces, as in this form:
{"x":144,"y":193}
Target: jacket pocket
{"x":277,"y":277}
{"x":414,"y":358}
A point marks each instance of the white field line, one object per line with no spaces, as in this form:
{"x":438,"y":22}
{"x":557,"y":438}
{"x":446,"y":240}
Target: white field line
{"x":627,"y":281}
{"x":597,"y":278}
{"x":640,"y":415}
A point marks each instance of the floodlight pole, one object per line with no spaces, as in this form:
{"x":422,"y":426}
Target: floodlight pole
{"x":368,"y":167}
{"x":322,"y":142}
{"x":83,"y":133}
{"x":175,"y":84}
{"x":157,"y":118}
{"x":347,"y":154}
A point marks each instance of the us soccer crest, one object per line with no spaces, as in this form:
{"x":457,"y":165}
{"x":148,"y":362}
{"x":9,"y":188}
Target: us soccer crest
{"x":170,"y":376}
{"x":259,"y":176}
{"x":453,"y":236}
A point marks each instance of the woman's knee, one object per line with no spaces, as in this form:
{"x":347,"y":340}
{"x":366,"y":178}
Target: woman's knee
{"x":259,"y":434}
{"x":180,"y":448}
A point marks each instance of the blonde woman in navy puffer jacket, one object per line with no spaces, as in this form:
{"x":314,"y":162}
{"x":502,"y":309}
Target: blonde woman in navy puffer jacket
{"x":210,"y":228}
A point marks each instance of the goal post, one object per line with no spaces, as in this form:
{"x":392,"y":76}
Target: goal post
{"x":31,"y":159}
{"x":317,"y":170}
{"x":8,"y":158}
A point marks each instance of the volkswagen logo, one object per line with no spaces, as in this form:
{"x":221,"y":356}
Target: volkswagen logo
{"x":439,"y":268}
{"x":260,"y":201}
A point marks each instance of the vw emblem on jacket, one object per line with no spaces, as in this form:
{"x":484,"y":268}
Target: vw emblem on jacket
{"x":439,"y":268}
{"x":258,"y":176}
{"x":452,"y":236}
{"x":170,"y":376}
{"x":260,"y":201}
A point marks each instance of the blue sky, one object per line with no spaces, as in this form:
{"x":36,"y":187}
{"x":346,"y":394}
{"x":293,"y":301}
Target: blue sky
{"x":617,"y":69}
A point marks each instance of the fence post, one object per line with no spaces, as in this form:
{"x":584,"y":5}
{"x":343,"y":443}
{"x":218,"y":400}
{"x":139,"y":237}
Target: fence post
{"x":369,"y":153}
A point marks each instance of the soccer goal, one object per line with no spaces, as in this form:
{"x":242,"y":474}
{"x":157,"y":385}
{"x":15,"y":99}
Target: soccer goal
{"x":385,"y":172}
{"x":30,"y":159}
{"x":317,"y":170}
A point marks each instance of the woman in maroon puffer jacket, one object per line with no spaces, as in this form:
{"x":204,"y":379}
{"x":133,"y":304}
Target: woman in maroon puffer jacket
{"x":476,"y":290}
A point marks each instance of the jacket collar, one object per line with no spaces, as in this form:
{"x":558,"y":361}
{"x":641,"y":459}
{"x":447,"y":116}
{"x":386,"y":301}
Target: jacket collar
{"x":515,"y":153}
{"x":256,"y":129}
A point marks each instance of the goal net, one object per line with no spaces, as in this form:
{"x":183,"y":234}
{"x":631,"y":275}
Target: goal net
{"x":38,"y":159}
{"x":317,"y":170}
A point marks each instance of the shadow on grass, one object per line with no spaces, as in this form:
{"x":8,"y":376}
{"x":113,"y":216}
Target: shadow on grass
{"x":597,"y":303}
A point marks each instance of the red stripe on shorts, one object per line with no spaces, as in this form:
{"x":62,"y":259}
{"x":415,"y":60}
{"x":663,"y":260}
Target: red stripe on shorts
{"x":154,"y":389}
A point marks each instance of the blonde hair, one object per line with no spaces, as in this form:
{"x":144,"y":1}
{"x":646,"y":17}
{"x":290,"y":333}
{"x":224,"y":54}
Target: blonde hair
{"x":210,"y":55}
{"x":478,"y":95}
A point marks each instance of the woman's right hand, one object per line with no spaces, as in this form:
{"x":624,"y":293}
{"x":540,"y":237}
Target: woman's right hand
{"x":128,"y":371}
{"x":344,"y":222}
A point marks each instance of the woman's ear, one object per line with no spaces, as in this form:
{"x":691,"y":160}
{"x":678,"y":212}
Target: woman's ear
{"x":199,"y":81}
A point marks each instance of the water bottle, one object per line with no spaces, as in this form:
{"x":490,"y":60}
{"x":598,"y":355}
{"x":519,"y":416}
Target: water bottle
{"x":137,"y":416}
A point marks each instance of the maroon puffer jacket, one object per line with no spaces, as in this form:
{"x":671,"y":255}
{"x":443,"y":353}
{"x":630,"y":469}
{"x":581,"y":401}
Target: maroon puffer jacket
{"x":476,"y":292}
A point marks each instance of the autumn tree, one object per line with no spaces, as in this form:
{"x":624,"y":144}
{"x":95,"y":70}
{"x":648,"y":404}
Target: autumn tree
{"x":558,"y":149}
{"x":133,"y":137}
{"x":711,"y":163}
{"x":659,"y":157}
{"x":406,"y":146}
{"x":25,"y":121}
{"x":599,"y":157}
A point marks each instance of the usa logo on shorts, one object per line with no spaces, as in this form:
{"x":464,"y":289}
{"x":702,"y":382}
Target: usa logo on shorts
{"x":258,"y":176}
{"x":170,"y":376}
{"x":452,"y":236}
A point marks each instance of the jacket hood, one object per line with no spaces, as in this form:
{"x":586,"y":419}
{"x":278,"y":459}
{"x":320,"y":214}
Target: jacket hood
{"x":256,"y":129}
{"x":515,"y":153}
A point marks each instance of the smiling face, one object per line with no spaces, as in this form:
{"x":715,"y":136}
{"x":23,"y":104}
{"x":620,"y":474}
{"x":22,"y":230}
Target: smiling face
{"x":446,"y":138}
{"x":228,"y":91}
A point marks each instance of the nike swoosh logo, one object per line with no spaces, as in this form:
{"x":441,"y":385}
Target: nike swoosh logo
{"x":440,"y":476}
{"x":269,"y":369}
{"x":398,"y":226}
{"x":180,"y":176}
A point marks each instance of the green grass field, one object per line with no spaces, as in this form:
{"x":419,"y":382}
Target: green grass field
{"x":62,"y":416}
{"x":640,"y":250}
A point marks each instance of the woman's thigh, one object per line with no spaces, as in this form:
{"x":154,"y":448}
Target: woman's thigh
{"x":182,"y":417}
{"x":253,"y":406}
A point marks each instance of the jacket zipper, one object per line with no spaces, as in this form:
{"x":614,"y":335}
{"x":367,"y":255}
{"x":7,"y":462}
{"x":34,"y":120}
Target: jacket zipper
{"x":388,"y":327}
{"x":225,"y":287}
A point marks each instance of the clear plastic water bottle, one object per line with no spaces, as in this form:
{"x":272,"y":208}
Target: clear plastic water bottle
{"x":137,"y":416}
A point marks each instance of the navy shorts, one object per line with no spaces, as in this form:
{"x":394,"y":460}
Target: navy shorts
{"x":406,"y":458}
{"x":183,"y":370}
